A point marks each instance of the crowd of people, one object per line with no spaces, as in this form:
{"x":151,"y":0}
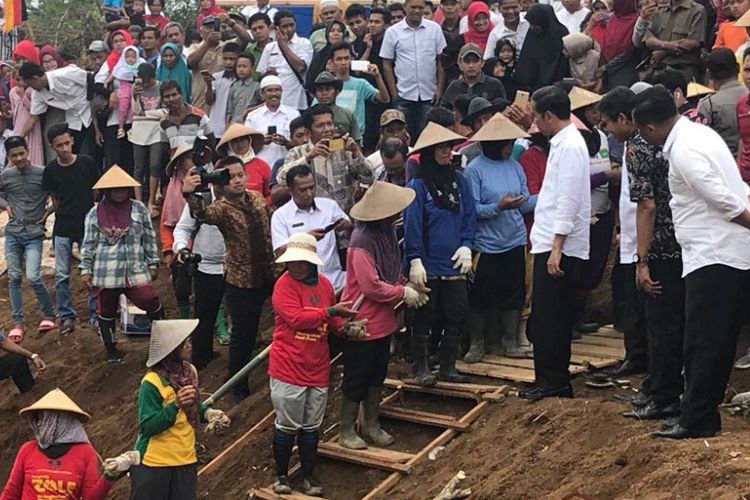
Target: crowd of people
{"x":441,"y":181}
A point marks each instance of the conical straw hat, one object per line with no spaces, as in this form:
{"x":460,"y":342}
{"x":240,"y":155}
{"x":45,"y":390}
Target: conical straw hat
{"x":381,"y":201}
{"x":436,"y":134}
{"x":302,"y":247}
{"x":172,"y":165}
{"x":235,"y":131}
{"x":57,"y":400}
{"x":115,"y":177}
{"x":696,"y":89}
{"x":166,"y":336}
{"x":580,"y":98}
{"x":499,"y":128}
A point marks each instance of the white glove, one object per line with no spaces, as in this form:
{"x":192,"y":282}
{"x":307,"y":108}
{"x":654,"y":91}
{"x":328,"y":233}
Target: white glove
{"x":122,"y":463}
{"x":217,"y":420}
{"x":462,"y":257}
{"x":415,"y":298}
{"x":355,"y":329}
{"x":417,"y":273}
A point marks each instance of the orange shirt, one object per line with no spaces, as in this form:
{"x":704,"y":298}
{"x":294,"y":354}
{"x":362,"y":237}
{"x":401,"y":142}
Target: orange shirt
{"x":730,"y":36}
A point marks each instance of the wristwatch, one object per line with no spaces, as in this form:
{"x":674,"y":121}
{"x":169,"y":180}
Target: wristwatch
{"x":638,"y":259}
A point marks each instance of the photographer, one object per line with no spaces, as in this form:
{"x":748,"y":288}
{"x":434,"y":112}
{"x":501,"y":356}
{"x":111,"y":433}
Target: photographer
{"x":242,"y":217}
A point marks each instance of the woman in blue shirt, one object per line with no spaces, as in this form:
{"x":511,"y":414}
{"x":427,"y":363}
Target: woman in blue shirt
{"x":498,"y":184}
{"x":438,"y":235}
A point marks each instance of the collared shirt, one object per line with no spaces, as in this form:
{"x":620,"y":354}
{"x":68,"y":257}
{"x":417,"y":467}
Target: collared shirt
{"x":212,"y":62}
{"x":67,"y":91}
{"x":262,"y":118}
{"x":256,"y":51}
{"x":488,"y":87}
{"x":628,"y":208}
{"x":572,"y":21}
{"x":414,"y":52}
{"x":289,"y":219}
{"x":685,"y":19}
{"x":647,"y":174}
{"x":334,"y":174}
{"x":218,"y":114}
{"x":719,"y":112}
{"x":126,"y":263}
{"x":707,"y":193}
{"x":501,"y":32}
{"x":242,"y":95}
{"x":22,"y":189}
{"x":184,"y":133}
{"x":564,"y":203}
{"x":293,"y":94}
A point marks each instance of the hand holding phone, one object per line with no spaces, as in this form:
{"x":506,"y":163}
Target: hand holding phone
{"x":522,"y":99}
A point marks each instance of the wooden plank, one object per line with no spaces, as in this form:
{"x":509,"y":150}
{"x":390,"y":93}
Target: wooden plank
{"x":268,"y":494}
{"x":527,"y":363}
{"x":607,"y":334}
{"x":593,"y":361}
{"x":602,"y":341}
{"x":419,"y":413}
{"x":595,"y":350}
{"x":377,"y":458}
{"x":433,"y":421}
{"x":239,"y":444}
{"x":473,"y":388}
{"x":496,"y":371}
{"x":438,"y":392}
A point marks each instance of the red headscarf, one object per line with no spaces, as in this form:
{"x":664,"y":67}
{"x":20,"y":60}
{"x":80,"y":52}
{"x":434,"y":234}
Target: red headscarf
{"x":616,"y":36}
{"x":114,"y":56}
{"x":213,"y":10}
{"x":27,"y":50}
{"x":50,"y":50}
{"x":472,"y":35}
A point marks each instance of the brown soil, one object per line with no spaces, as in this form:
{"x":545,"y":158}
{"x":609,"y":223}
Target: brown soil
{"x":576,"y":449}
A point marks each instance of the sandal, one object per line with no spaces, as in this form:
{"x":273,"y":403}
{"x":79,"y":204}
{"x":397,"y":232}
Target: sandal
{"x":16,"y":334}
{"x":46,"y":325}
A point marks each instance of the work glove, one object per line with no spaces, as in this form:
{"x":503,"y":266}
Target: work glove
{"x":462,"y":259}
{"x":217,"y":420}
{"x":418,"y":274}
{"x":355,"y":329}
{"x":415,"y":298}
{"x":122,"y":463}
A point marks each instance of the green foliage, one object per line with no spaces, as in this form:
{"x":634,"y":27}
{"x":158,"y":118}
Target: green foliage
{"x":69,"y":25}
{"x":182,"y":11}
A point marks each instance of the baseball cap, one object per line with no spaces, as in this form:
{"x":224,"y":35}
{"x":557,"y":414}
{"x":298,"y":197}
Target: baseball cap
{"x":390,"y":116}
{"x":209,"y":21}
{"x":237,"y":16}
{"x":470,"y":48}
{"x":98,"y":46}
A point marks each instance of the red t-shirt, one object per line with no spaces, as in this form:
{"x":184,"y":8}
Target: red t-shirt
{"x":743,"y":127}
{"x":258,"y":175}
{"x":299,"y":351}
{"x":534,"y":163}
{"x":73,"y":476}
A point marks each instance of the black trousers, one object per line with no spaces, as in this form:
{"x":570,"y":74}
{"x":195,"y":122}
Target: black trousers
{"x":552,"y":320}
{"x":715,"y":302}
{"x":244,"y":305}
{"x":629,"y":306}
{"x":665,"y":317}
{"x":163,"y":483}
{"x":16,"y":367}
{"x":499,"y":281}
{"x":448,"y":306}
{"x":365,"y":366}
{"x":209,"y":292}
{"x":117,"y":151}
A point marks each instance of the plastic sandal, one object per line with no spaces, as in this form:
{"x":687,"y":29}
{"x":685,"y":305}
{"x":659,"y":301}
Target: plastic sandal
{"x":46,"y":325}
{"x":16,"y":334}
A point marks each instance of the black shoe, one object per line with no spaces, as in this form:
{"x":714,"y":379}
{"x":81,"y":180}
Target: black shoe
{"x":679,"y":432}
{"x":653,"y":412}
{"x":537,"y":393}
{"x":588,"y":327}
{"x":638,"y":399}
{"x":311,"y":487}
{"x":627,"y":368}
{"x":669,"y":422}
{"x":575,"y":334}
{"x":281,"y":486}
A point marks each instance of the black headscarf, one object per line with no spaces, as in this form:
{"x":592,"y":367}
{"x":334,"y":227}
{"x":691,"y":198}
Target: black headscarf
{"x":319,"y":60}
{"x":541,"y":61}
{"x":441,"y":180}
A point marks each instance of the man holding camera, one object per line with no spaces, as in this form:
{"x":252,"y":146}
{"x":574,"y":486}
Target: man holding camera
{"x":242,"y":217}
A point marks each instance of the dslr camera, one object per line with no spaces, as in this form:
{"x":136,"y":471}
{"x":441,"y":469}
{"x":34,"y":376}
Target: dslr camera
{"x":202,"y":158}
{"x":190,"y":261}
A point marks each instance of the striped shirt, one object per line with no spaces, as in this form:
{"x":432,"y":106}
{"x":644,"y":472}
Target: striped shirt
{"x":184,"y":133}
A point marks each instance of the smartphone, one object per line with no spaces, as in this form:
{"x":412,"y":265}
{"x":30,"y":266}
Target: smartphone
{"x":336,"y":144}
{"x":360,"y":66}
{"x":138,"y":81}
{"x":330,"y":227}
{"x":522,"y":98}
{"x":271,"y":129}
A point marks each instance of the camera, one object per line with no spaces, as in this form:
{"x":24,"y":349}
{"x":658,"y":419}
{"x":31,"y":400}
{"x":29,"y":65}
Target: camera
{"x":201,"y":158}
{"x":190,"y":261}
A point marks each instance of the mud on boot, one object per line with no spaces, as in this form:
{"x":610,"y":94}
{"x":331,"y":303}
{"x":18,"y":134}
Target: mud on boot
{"x":477,"y":322}
{"x":448,"y":354}
{"x":370,"y":428}
{"x":348,"y":437}
{"x":420,"y":352}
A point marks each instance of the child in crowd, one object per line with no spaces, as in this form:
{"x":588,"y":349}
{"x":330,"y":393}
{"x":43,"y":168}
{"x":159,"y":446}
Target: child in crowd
{"x":243,"y":93}
{"x":125,"y":72}
{"x":113,"y":10}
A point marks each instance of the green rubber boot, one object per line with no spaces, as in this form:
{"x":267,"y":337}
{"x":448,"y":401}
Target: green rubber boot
{"x":222,"y":334}
{"x":348,"y":437}
{"x":371,"y":430}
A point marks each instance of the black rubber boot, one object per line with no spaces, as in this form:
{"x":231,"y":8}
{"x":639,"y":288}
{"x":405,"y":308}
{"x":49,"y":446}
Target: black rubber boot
{"x":477,"y":321}
{"x":107,"y":334}
{"x":420,"y":351}
{"x":448,"y":354}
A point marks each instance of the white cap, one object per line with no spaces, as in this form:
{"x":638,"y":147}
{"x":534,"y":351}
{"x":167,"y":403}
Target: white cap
{"x":270,"y":81}
{"x":328,"y":3}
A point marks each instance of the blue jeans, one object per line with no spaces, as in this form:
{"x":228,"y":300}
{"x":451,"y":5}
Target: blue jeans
{"x":415,"y":113}
{"x":18,"y":249}
{"x":63,"y":246}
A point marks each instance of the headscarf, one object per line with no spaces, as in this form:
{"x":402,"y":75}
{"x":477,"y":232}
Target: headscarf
{"x":50,"y":50}
{"x":616,"y":36}
{"x":56,"y":427}
{"x":113,"y":218}
{"x":541,"y":61}
{"x":27,"y":50}
{"x":213,"y":10}
{"x":180,"y":73}
{"x":114,"y":56}
{"x":174,"y":202}
{"x":378,"y":238}
{"x":472,"y":35}
{"x":249,"y":154}
{"x":441,"y":180}
{"x":320,"y":58}
{"x":180,"y":374}
{"x":125,"y":71}
{"x":584,"y":54}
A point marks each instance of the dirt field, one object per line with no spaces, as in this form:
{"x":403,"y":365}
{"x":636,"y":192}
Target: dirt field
{"x":572,"y":449}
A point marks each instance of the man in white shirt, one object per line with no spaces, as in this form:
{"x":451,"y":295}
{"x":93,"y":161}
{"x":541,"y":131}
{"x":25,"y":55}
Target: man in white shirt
{"x":712,"y":225}
{"x":411,"y":61}
{"x":511,"y":26}
{"x":559,"y":242}
{"x":273,"y":119}
{"x":262,"y":6}
{"x":307,"y":213}
{"x":289,"y":56}
{"x":572,"y":15}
